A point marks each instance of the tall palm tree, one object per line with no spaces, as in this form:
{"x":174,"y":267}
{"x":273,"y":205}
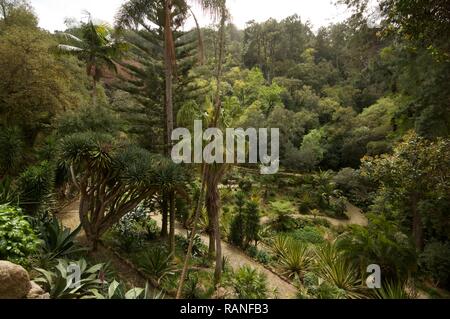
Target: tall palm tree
{"x":96,"y":47}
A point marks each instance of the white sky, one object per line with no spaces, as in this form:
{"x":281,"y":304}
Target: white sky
{"x":52,"y":13}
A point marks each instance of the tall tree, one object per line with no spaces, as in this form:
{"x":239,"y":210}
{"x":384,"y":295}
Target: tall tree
{"x":96,"y":48}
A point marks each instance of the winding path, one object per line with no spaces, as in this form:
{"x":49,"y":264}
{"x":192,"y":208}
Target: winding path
{"x":70,"y":218}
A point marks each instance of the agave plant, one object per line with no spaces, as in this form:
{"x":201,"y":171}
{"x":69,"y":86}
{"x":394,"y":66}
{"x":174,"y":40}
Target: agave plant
{"x":59,"y":241}
{"x":61,"y":284}
{"x":116,"y":290}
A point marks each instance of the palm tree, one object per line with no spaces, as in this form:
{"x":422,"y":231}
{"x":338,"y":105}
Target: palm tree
{"x":96,"y":47}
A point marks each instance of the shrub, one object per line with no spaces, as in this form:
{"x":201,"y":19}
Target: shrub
{"x":338,"y":271}
{"x":18,"y":240}
{"x":308,"y":235}
{"x":157,"y":263}
{"x":12,"y":145}
{"x":435,"y":263}
{"x":35,"y":185}
{"x":198,"y":248}
{"x":248,"y":283}
{"x":295,"y":260}
{"x":237,"y":231}
{"x":58,"y":241}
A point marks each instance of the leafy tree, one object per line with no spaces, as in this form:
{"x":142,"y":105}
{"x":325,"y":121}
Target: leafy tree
{"x":412,"y":188}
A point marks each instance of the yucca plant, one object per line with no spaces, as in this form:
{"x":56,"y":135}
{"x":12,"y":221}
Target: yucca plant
{"x":296,"y":259}
{"x":158,"y":264}
{"x":61,"y":284}
{"x":334,"y":268}
{"x":279,"y":245}
{"x":393,"y":290}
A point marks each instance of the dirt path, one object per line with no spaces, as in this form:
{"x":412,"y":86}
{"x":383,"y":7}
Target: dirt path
{"x":70,"y":218}
{"x":238,"y":259}
{"x":355,"y":217}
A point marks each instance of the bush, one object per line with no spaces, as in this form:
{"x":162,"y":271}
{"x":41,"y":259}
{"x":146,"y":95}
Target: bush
{"x":435,"y":263}
{"x":237,"y":231}
{"x":12,"y":145}
{"x":59,"y":241}
{"x":157,"y":263}
{"x":248,"y":283}
{"x":198,"y":248}
{"x":259,"y":255}
{"x":18,"y":241}
{"x":35,"y":186}
{"x":308,"y":235}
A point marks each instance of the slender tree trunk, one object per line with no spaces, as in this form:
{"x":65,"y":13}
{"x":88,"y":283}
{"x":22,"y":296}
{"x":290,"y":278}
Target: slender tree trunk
{"x":193,"y":233}
{"x":172,"y":223}
{"x":94,"y":92}
{"x":169,"y":62}
{"x":201,"y":47}
{"x":164,"y":212}
{"x":211,"y":212}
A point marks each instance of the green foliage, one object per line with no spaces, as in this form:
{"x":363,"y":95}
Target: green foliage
{"x":393,"y":290}
{"x":283,"y":222}
{"x":293,"y":257}
{"x":248,"y":283}
{"x":308,"y":234}
{"x":237,"y":231}
{"x":18,"y":241}
{"x":12,"y":146}
{"x":198,"y":248}
{"x":61,"y":284}
{"x":411,"y":184}
{"x":313,"y":288}
{"x":157,"y":263}
{"x":333,"y":267}
{"x":381,"y":243}
{"x":35,"y":185}
{"x":116,"y":290}
{"x":434,"y":263}
{"x":88,"y":119}
{"x":58,"y":241}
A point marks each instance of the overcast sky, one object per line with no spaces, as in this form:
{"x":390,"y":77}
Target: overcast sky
{"x":52,"y":13}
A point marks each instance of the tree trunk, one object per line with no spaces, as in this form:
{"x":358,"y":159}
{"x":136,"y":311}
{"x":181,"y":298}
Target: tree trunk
{"x":172,"y":223}
{"x":169,"y":62}
{"x":94,"y":92}
{"x":165,"y":215}
{"x":210,"y":210}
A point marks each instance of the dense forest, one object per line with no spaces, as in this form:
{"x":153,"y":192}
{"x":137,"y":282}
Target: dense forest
{"x":87,"y":180}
